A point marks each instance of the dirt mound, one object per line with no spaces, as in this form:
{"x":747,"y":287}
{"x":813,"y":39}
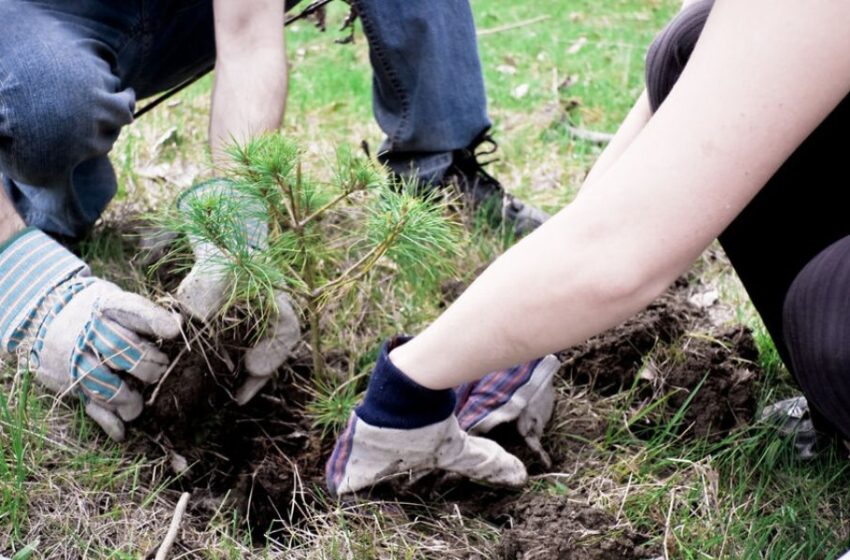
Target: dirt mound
{"x":546,"y":527}
{"x":672,"y":350}
{"x":609,"y":361}
{"x":713,"y":375}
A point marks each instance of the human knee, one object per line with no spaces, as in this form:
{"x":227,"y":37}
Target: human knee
{"x":816,"y":328}
{"x":66,"y":113}
{"x":671,"y":48}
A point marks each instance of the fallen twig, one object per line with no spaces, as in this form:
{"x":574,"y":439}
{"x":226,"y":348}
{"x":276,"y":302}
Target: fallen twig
{"x":590,"y":135}
{"x":510,"y":26}
{"x":168,"y":542}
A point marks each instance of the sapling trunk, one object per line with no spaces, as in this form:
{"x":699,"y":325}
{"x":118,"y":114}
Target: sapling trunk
{"x":310,"y":275}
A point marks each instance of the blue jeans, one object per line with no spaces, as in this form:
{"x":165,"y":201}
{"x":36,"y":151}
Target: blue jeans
{"x":70,"y":74}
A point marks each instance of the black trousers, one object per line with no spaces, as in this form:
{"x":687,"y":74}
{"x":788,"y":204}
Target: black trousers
{"x":791,"y":244}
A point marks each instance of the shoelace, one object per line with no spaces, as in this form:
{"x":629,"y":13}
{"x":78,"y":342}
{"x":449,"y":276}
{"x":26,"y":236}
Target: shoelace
{"x":473,"y":154}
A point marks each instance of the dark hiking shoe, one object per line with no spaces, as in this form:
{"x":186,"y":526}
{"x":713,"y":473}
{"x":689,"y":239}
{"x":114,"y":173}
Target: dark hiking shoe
{"x":481,"y":191}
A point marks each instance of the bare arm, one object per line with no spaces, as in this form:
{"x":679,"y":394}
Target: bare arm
{"x":762,"y":77}
{"x":249,"y":94}
{"x":629,"y":129}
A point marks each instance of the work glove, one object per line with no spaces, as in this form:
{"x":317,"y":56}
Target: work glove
{"x":524,"y":394}
{"x":791,"y":418}
{"x":77,"y":333}
{"x":203,"y":292}
{"x":402,"y":427}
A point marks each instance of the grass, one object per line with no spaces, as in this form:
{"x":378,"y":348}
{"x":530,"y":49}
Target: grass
{"x":67,"y":492}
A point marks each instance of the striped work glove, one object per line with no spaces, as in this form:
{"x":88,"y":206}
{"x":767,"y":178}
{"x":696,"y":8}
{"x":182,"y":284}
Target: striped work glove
{"x":78,"y":333}
{"x":524,"y":394}
{"x":205,"y":289}
{"x":403,"y":428}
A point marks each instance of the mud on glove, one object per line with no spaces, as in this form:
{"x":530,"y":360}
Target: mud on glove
{"x":402,"y":427}
{"x":76,"y":332}
{"x":203,"y":291}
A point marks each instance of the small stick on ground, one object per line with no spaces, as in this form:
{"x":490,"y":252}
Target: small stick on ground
{"x":511,"y":26}
{"x":168,"y":542}
{"x":590,"y":135}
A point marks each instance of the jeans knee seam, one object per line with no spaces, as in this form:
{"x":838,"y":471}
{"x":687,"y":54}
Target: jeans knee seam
{"x":393,"y":77}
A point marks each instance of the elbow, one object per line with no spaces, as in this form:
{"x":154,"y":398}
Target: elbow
{"x":628,"y":288}
{"x":619,"y":277}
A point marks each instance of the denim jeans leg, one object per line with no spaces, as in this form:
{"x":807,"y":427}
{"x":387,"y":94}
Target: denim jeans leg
{"x":176,"y":42}
{"x":428,"y":89}
{"x":61,"y":109}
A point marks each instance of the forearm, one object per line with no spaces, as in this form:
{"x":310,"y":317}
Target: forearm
{"x":10,"y":221}
{"x":629,"y":129}
{"x":577,"y":275}
{"x":721,"y":134}
{"x":249,"y":93}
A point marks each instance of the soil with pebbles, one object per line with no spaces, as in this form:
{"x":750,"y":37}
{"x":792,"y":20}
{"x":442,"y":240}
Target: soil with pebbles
{"x":552,"y":528}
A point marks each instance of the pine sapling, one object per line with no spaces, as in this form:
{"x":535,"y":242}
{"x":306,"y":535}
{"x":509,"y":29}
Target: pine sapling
{"x":320,"y":237}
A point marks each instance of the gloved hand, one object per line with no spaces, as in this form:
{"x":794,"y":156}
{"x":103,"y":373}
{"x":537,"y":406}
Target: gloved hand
{"x":76,"y":332}
{"x":402,"y":427}
{"x":523,"y":393}
{"x":203,"y":291}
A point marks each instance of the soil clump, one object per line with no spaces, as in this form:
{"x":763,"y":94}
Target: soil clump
{"x":672,"y":349}
{"x":546,"y":527}
{"x":713,"y":377}
{"x":608,"y":362}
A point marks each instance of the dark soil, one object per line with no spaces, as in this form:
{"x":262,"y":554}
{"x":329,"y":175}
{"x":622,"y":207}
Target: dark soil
{"x":552,"y":528}
{"x":674,"y":350}
{"x":263,"y":457}
{"x":715,"y":376}
{"x":610,"y":361}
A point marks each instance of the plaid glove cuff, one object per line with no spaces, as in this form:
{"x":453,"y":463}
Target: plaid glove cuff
{"x":31,"y":265}
{"x":393,"y":400}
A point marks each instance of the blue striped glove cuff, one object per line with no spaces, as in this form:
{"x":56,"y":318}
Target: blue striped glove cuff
{"x":31,"y":265}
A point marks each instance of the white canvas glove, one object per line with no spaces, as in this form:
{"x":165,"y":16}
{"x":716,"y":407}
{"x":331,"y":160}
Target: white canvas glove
{"x":203,"y":291}
{"x":403,"y":428}
{"x":77,"y":333}
{"x":524,"y":394}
